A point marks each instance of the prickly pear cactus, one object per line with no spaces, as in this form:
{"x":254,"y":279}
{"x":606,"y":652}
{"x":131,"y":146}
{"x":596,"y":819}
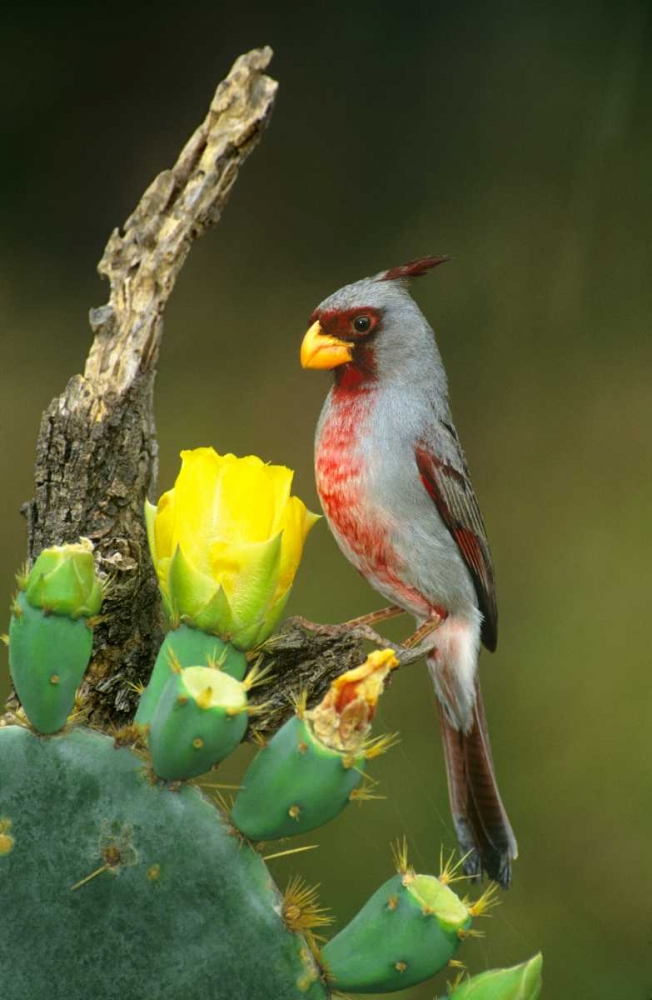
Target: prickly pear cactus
{"x":113,"y":879}
{"x":119,"y":878}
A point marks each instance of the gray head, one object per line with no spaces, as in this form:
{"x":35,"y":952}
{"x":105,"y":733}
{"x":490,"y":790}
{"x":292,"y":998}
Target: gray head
{"x":373,"y":330}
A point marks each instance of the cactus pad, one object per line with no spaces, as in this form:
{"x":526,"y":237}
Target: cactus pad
{"x":177,"y":904}
{"x":188,"y":647}
{"x":406,"y":932}
{"x":48,"y":657}
{"x":199,"y":720}
{"x":295,"y":784}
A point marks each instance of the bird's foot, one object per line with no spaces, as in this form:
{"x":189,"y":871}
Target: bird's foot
{"x":415,"y":646}
{"x":318,"y":628}
{"x":407,"y":656}
{"x":357,"y":628}
{"x":367,"y":632}
{"x":420,"y":643}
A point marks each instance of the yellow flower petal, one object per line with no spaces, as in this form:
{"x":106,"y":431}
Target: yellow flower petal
{"x":296,"y":522}
{"x":246,"y":502}
{"x":280,"y":479}
{"x":196,"y":503}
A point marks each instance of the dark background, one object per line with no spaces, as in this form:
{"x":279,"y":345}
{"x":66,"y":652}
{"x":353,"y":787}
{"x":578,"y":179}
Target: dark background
{"x":515,"y":137}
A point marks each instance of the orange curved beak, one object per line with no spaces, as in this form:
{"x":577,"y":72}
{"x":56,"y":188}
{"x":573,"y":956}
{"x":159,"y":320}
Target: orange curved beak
{"x":318,"y":350}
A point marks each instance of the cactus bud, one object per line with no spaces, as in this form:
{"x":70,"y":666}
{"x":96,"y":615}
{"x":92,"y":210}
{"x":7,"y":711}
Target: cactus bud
{"x":62,"y":581}
{"x":50,"y":637}
{"x":520,"y":982}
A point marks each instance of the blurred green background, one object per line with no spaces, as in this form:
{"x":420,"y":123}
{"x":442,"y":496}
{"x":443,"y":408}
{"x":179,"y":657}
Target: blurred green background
{"x":515,"y":137}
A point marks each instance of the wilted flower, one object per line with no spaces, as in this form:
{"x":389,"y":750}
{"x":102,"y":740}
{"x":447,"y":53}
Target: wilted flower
{"x":343,"y":718}
{"x":226,"y":543}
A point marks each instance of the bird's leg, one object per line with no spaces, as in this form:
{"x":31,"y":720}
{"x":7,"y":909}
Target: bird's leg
{"x":419,"y":643}
{"x":357,"y":626}
{"x":391,"y":611}
{"x":414,"y":647}
{"x":423,"y":632}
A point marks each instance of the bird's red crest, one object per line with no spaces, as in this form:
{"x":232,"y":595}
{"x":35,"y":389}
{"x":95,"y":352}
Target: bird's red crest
{"x":413,"y":269}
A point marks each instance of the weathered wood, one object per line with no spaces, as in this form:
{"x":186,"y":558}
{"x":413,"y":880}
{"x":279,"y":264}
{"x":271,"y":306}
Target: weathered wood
{"x":300,"y":660}
{"x":96,"y":456}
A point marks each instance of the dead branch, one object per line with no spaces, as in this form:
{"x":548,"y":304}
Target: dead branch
{"x":96,"y":455}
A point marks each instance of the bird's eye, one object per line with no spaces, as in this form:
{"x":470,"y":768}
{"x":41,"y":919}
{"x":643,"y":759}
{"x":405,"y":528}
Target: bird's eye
{"x":361,"y":324}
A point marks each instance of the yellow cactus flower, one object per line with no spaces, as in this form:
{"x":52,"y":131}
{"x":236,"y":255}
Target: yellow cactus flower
{"x":226,"y":543}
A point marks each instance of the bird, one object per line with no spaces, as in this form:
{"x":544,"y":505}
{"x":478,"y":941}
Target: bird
{"x":396,"y":491}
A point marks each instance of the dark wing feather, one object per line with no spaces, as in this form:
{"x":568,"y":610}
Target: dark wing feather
{"x":452,"y":492}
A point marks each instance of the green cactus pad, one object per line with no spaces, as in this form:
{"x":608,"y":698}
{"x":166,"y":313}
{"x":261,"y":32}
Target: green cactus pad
{"x":520,"y":982}
{"x":48,"y":656}
{"x":190,"y":647}
{"x":177,"y":905}
{"x":294,"y":785}
{"x":406,"y":933}
{"x":199,"y":720}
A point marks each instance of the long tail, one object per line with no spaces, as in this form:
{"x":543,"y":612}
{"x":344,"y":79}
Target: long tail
{"x":481,"y":823}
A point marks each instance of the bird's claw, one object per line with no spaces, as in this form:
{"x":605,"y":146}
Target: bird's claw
{"x":369,"y":633}
{"x":356,"y":631}
{"x":405,"y":655}
{"x":318,"y":628}
{"x":411,"y":654}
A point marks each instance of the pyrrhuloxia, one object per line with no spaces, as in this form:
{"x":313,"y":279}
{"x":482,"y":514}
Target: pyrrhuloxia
{"x":396,"y":491}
